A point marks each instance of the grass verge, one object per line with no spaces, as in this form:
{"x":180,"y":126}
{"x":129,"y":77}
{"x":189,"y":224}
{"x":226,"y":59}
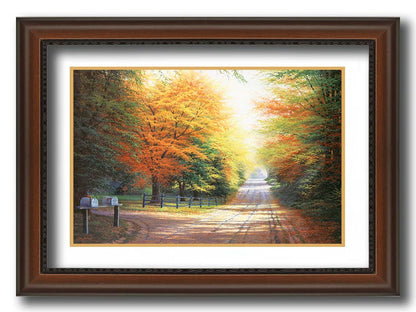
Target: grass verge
{"x":171,"y":208}
{"x":102,"y":230}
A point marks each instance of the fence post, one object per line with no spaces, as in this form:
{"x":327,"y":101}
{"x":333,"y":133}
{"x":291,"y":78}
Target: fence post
{"x":177,"y":201}
{"x":144,"y":200}
{"x":216,"y":203}
{"x":162,"y":200}
{"x":190,"y":202}
{"x":200,"y":202}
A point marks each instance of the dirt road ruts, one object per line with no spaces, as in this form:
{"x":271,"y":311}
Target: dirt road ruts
{"x":253,"y":217}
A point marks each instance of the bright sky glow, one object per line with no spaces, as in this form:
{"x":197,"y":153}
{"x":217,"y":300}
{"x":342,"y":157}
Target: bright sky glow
{"x":240,"y":97}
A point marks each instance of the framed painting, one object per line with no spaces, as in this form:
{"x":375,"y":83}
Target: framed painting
{"x":207,"y":155}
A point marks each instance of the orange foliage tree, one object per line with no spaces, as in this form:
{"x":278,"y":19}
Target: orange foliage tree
{"x":174,"y":109}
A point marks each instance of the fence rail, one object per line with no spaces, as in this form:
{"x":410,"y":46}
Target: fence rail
{"x":179,"y":201}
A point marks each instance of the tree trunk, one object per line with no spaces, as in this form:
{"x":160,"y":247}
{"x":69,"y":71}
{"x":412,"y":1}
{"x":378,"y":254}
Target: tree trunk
{"x":155,"y":190}
{"x":182,"y":190}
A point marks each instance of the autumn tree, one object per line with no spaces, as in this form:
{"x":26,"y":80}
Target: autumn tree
{"x":302,"y":136}
{"x":221,"y":171}
{"x":199,"y":174}
{"x":175,"y":108}
{"x":222,"y":168}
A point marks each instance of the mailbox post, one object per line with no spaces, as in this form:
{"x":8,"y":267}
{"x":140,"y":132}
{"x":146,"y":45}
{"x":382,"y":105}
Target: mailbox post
{"x":85,"y":221}
{"x":116,"y":216}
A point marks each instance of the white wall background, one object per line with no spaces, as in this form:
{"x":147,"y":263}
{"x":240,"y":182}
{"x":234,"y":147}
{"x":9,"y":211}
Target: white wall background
{"x":11,"y":9}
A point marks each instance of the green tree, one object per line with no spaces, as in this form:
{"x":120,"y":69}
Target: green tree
{"x":102,"y":123}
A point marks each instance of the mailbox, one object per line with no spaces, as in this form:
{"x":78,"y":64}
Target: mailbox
{"x":89,"y":202}
{"x":113,"y":201}
{"x":94,"y":202}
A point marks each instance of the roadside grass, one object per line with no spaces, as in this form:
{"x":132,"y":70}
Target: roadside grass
{"x":326,"y":219}
{"x":135,"y":203}
{"x":183,"y":208}
{"x":321,"y":215}
{"x":102,"y":230}
{"x":122,"y":197}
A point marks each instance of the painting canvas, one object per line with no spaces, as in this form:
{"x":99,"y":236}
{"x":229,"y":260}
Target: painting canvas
{"x":207,"y":156}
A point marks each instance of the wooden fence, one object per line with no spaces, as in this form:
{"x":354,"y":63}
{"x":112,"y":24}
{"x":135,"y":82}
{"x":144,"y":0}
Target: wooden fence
{"x":179,"y":201}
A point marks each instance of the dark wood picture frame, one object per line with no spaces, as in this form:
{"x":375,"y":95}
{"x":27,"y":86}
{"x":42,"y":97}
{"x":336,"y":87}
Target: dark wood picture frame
{"x":33,"y":37}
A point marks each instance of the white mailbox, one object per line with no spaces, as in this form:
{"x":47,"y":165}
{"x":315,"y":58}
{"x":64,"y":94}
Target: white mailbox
{"x":94,"y":202}
{"x":113,"y":201}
